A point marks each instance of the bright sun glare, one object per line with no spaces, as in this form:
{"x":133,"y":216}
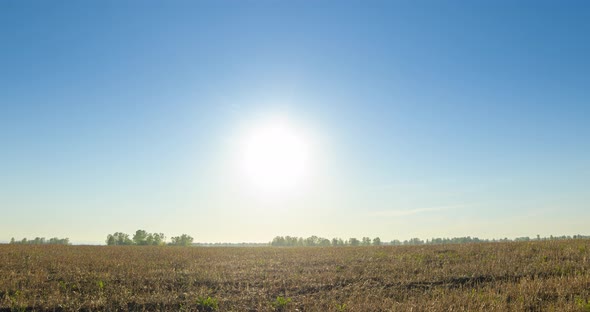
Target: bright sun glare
{"x":274,"y":157}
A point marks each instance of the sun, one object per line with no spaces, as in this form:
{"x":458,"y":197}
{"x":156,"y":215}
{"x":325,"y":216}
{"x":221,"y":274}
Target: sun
{"x":274,"y":157}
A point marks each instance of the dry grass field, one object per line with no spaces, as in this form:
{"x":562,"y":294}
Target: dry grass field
{"x":526,"y":276}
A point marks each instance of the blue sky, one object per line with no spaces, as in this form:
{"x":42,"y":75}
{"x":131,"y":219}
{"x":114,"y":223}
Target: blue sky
{"x":425,"y":118}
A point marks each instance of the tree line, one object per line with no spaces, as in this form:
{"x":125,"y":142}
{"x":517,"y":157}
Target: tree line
{"x":320,"y":241}
{"x":366,"y":241}
{"x":143,"y":238}
{"x":469,"y":239}
{"x":41,"y":241}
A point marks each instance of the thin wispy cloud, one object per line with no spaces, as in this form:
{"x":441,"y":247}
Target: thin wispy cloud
{"x":408,"y":212}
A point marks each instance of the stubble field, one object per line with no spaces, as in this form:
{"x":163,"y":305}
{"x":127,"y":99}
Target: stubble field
{"x":525,"y":276}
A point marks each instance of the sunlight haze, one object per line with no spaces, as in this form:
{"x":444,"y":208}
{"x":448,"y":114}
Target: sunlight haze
{"x":237,"y":121}
{"x":274,"y":157}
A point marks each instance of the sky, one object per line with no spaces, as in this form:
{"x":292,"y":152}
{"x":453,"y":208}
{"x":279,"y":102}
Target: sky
{"x":415,"y":118}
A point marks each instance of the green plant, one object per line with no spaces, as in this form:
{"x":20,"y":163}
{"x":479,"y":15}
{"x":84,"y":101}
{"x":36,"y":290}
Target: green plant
{"x":584,"y":305}
{"x":207,"y":304}
{"x":281,"y":303}
{"x":341,"y":307}
{"x":14,"y":298}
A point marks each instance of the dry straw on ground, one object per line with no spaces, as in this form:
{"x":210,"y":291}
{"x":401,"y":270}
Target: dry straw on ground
{"x":526,"y":276}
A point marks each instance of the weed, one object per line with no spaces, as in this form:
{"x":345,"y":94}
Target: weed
{"x":281,"y":303}
{"x":15,"y":306}
{"x":583,"y":304}
{"x":62,"y":285}
{"x":207,"y":304}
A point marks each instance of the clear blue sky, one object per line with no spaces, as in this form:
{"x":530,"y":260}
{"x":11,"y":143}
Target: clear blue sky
{"x":425,"y":118}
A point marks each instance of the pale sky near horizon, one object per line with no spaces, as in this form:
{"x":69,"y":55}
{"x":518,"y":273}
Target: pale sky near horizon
{"x":236,"y":121}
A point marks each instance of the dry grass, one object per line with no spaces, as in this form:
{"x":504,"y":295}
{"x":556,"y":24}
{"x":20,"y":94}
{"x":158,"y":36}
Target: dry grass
{"x":528,"y":276}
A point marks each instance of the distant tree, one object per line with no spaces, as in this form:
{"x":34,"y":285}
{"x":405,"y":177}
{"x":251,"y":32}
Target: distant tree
{"x":312,"y":241}
{"x":149,"y":240}
{"x":40,"y":241}
{"x":140,"y":237}
{"x":182,"y":240}
{"x":111,"y":240}
{"x":154,"y":239}
{"x":300,"y":241}
{"x":277,"y":241}
{"x":59,"y":241}
{"x":158,"y":239}
{"x":122,"y":239}
{"x":291,"y":240}
{"x":376,"y":241}
{"x":366,"y":241}
{"x":414,"y":241}
{"x":395,"y":242}
{"x":353,"y":241}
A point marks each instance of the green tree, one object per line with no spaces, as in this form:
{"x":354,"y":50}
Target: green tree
{"x":38,"y":241}
{"x":414,"y":241}
{"x":182,"y":240}
{"x":159,"y":239}
{"x":149,"y":240}
{"x":140,"y":237}
{"x":376,"y":241}
{"x":111,"y":240}
{"x":353,"y":241}
{"x":291,"y":240}
{"x":122,"y":239}
{"x":59,"y":241}
{"x":278,"y":241}
{"x":366,"y":241}
{"x":312,"y":241}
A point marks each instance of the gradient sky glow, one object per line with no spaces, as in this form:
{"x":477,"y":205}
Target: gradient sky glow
{"x":424,"y":118}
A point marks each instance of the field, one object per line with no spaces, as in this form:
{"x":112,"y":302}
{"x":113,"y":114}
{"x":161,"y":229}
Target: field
{"x":524,"y":276}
